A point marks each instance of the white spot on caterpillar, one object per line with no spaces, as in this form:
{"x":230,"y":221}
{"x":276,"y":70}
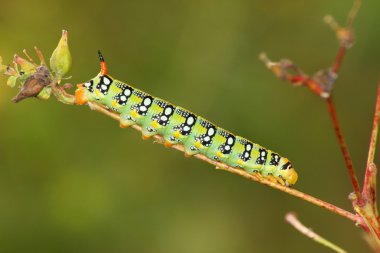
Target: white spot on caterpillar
{"x":103,"y":87}
{"x":147,"y":101}
{"x":143,"y":108}
{"x":164,"y":118}
{"x":207,"y":138}
{"x":249,"y":147}
{"x":106,"y":81}
{"x":230,"y":141}
{"x":123,"y":98}
{"x":227,"y":148}
{"x":246,"y":155}
{"x":168,"y":111}
{"x":190,"y":120}
{"x":186,"y":128}
{"x":211,"y":131}
{"x":127,"y":92}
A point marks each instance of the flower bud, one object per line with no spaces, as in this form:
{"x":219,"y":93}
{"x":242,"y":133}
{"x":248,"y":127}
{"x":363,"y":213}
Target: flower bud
{"x":60,"y":60}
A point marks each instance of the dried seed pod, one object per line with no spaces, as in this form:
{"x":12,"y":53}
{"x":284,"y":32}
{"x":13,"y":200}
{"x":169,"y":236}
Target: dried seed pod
{"x":34,"y":84}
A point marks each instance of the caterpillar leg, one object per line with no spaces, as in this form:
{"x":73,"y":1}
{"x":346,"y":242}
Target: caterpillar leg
{"x":80,"y":95}
{"x":274,"y":179}
{"x":172,"y":139}
{"x":150,"y":128}
{"x":192,"y":147}
{"x":126,"y":120}
{"x":168,"y":144}
{"x":258,"y":175}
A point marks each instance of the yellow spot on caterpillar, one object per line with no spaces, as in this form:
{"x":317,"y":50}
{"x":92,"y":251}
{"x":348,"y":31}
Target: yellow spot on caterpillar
{"x":134,"y":114}
{"x":114,"y":103}
{"x":98,"y":93}
{"x":219,"y":154}
{"x":240,"y":162}
{"x":155,"y":124}
{"x":198,"y":144}
{"x":177,"y":134}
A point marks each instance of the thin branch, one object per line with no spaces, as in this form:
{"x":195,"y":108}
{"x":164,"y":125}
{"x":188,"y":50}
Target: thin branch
{"x":61,"y":95}
{"x":345,"y":36}
{"x":66,"y":98}
{"x":253,"y":177}
{"x":339,"y":59}
{"x":353,"y":12}
{"x":375,"y":127}
{"x":369,"y":186}
{"x":291,"y":218}
{"x":343,"y":147}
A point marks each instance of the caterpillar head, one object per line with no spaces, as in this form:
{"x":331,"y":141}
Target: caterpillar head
{"x":95,"y":88}
{"x":287,"y":172}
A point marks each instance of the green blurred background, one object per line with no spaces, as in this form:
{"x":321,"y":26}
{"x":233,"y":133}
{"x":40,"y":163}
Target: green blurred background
{"x":72,"y":181}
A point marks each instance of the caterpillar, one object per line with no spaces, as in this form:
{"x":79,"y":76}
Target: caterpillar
{"x":177,"y":125}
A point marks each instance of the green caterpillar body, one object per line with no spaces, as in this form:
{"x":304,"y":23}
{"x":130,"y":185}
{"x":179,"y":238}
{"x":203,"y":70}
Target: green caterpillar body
{"x":180,"y":126}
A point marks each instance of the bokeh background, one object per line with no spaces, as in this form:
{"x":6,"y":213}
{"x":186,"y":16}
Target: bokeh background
{"x":72,"y":181}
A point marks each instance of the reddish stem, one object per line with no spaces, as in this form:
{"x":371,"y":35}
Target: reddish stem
{"x":291,"y":191}
{"x":339,"y":59}
{"x":372,"y":144}
{"x":343,"y":148}
{"x":369,"y":186}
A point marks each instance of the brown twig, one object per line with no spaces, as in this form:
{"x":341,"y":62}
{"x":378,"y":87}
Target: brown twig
{"x":339,"y":59}
{"x":322,"y":84}
{"x":345,"y":35}
{"x":253,"y":177}
{"x":66,"y":98}
{"x":369,"y":186}
{"x":291,"y":218}
{"x":375,"y":127}
{"x":343,"y":147}
{"x":353,"y":12}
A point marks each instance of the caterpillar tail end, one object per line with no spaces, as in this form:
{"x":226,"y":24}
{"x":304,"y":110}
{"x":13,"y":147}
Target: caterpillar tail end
{"x":292,"y":179}
{"x":80,"y":95}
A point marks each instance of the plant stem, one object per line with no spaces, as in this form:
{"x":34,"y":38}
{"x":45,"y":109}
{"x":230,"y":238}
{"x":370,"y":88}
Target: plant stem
{"x":291,"y":218}
{"x":339,"y":59}
{"x":369,"y":186}
{"x":67,"y":98}
{"x":375,"y":127}
{"x":254,"y":177}
{"x":343,"y":148}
